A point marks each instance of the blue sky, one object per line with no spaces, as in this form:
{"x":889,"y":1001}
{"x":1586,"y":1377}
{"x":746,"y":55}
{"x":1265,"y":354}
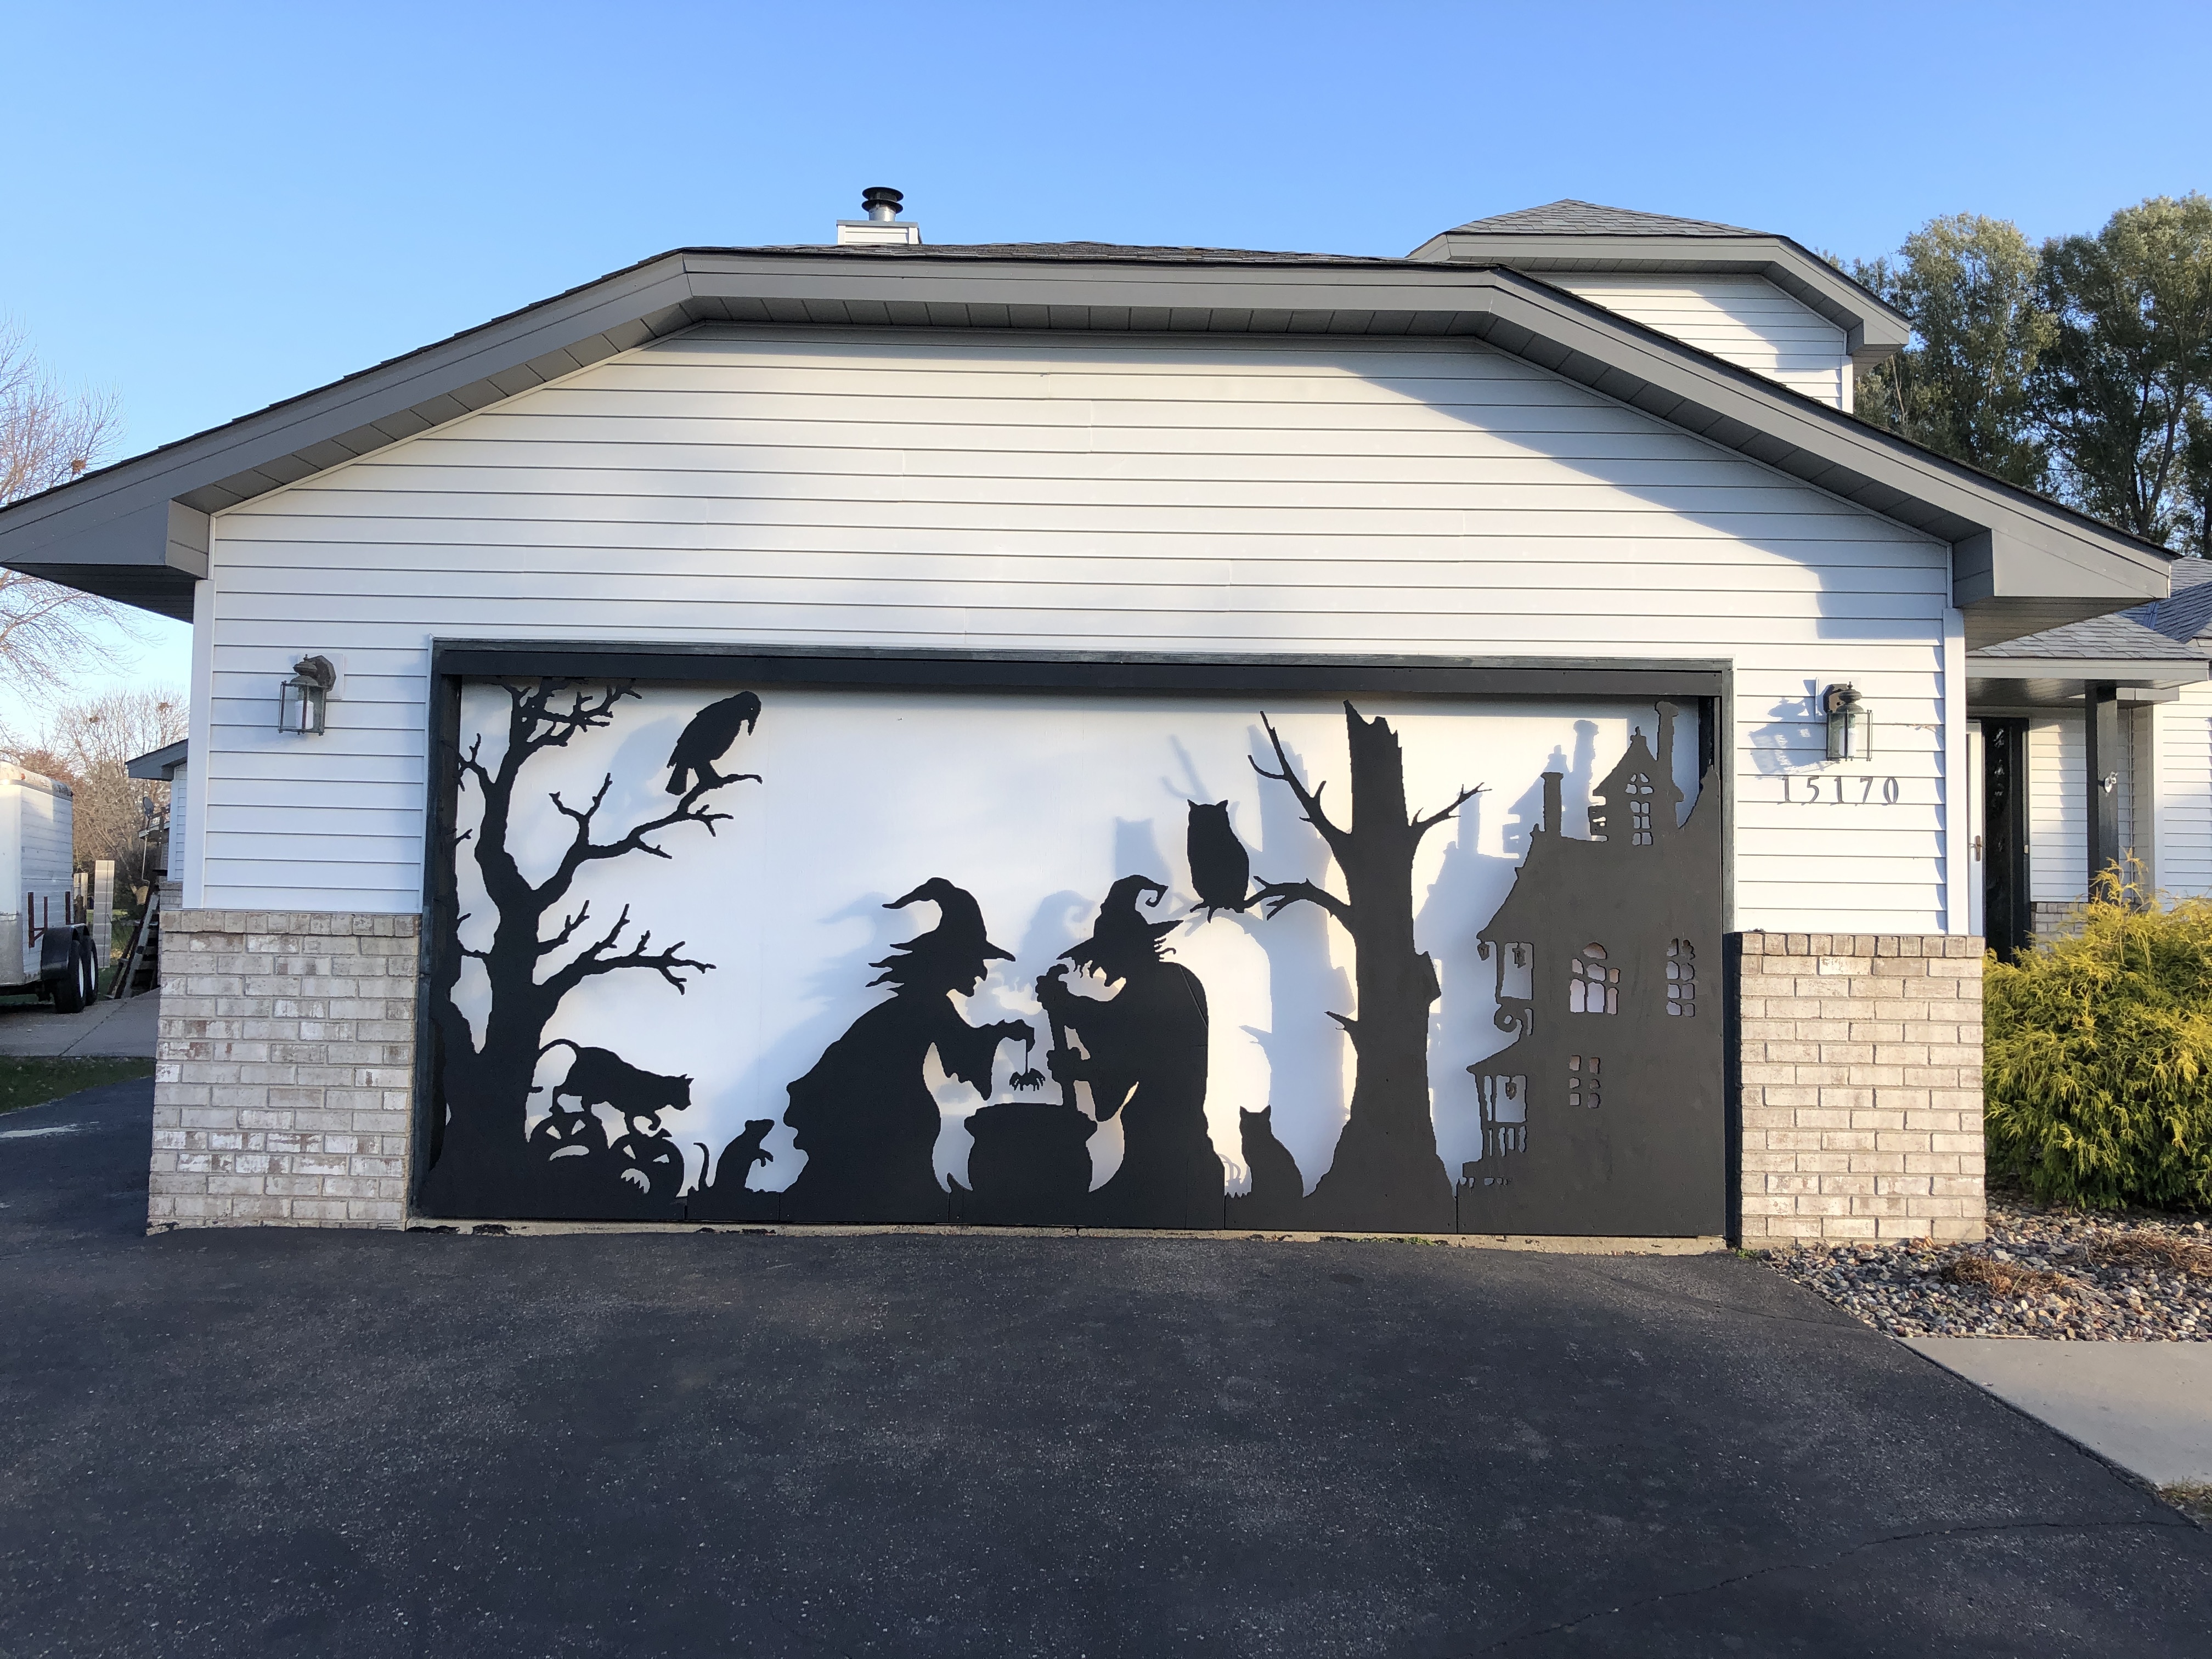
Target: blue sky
{"x":215,"y":206}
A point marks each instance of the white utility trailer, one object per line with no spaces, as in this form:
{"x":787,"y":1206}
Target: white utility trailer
{"x":52,"y":955}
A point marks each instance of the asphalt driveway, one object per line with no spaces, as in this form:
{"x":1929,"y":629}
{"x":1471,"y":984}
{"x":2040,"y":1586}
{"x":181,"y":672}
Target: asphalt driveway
{"x":344,"y":1443}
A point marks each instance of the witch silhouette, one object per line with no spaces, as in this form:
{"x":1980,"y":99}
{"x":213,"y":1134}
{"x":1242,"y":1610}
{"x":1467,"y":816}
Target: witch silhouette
{"x":1144,"y":1056}
{"x":864,"y":1116}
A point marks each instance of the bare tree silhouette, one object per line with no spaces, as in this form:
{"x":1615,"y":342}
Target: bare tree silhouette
{"x":1386,"y":1175}
{"x":479,"y":1162}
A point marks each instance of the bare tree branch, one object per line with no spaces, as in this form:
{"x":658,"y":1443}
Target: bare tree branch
{"x":88,"y":744}
{"x":1309,"y":799}
{"x":593,"y":960}
{"x":1422,"y":826}
{"x":49,"y":633}
{"x":569,"y":927}
{"x":1280,"y":896}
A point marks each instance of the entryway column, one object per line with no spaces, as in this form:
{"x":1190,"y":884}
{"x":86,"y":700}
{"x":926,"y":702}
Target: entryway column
{"x":2103,"y":758}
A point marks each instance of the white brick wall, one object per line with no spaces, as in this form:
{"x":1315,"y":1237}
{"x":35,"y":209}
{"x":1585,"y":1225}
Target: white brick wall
{"x":284,"y":1075}
{"x":1860,"y":1085}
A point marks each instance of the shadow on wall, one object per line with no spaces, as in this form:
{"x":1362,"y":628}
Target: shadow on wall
{"x":1307,"y":1053}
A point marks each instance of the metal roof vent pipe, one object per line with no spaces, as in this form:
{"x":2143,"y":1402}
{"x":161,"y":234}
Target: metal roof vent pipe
{"x":883,"y":228}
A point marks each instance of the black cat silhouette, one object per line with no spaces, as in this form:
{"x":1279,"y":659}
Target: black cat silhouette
{"x":600,"y":1077}
{"x":1277,"y":1185}
{"x":707,"y":738}
{"x":1220,"y":868}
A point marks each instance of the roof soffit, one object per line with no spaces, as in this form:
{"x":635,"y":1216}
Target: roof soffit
{"x":2014,"y":550}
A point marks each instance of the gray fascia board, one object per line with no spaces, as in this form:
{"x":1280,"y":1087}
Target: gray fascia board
{"x":2006,"y":551}
{"x":1874,"y":330}
{"x":159,"y":765}
{"x":2123,"y":670}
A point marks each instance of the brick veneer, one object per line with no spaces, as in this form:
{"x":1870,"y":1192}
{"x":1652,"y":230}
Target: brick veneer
{"x":285,"y":1069}
{"x":284,"y":1077}
{"x":1861,"y":1086}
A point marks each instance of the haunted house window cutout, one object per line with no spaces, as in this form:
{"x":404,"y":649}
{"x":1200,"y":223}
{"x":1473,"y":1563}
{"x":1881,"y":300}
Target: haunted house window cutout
{"x":1592,"y":987}
{"x":1582,"y":1082}
{"x":1639,"y":810}
{"x":1505,"y":1100}
{"x":1681,"y":977}
{"x":1516,"y":969}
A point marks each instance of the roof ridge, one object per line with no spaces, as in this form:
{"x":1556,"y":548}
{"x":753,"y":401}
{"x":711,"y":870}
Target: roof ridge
{"x":1571,"y":215}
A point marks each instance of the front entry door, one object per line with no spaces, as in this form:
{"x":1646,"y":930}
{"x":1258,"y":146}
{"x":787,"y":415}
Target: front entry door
{"x":2009,"y":920}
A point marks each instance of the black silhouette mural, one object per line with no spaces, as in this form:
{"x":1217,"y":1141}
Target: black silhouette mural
{"x":865,"y":1116}
{"x":1604,"y":1115}
{"x":707,"y":738}
{"x":481,"y":1162}
{"x":1220,"y":868}
{"x":1386,"y":1173}
{"x":1142,"y":1051}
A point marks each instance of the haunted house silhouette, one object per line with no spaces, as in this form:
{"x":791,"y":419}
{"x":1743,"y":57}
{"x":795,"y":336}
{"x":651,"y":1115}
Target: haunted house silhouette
{"x":1604,"y":1116}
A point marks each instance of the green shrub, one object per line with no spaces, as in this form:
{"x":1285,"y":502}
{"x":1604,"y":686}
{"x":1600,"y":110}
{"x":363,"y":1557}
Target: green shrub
{"x":2099,"y":1079}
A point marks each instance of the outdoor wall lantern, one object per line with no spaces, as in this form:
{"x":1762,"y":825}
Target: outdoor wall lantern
{"x":1850,"y":723}
{"x":300,"y":705}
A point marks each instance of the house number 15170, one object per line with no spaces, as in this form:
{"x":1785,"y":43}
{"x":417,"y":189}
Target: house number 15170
{"x":1838,"y":791}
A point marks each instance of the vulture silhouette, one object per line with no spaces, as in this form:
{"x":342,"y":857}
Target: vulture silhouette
{"x":707,"y":738}
{"x":1220,"y":868}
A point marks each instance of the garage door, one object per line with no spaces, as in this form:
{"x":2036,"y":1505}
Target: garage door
{"x":1086,"y":947}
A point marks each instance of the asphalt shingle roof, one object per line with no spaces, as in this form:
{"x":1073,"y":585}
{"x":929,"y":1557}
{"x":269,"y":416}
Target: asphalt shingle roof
{"x":1090,"y":252}
{"x":2161,"y":630}
{"x":1572,"y":218}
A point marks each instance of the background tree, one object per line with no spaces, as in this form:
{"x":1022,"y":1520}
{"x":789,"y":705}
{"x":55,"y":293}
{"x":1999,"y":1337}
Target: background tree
{"x":87,"y":743}
{"x":2129,"y":364}
{"x":48,"y":633}
{"x":1963,"y":385}
{"x":2196,"y":505}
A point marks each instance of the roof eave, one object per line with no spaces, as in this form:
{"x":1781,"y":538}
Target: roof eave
{"x":1873,"y":329}
{"x":138,"y":531}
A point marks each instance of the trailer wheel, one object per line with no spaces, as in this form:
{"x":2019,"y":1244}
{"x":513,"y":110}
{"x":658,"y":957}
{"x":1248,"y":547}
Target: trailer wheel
{"x":68,"y":989}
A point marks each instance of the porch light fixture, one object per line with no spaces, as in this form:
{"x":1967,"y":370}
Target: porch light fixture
{"x":1850,"y":723}
{"x":300,"y":703}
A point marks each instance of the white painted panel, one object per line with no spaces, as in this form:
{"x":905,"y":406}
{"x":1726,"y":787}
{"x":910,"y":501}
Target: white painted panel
{"x":1744,"y":320}
{"x":2184,"y":792}
{"x":958,"y":490}
{"x":861,"y":797}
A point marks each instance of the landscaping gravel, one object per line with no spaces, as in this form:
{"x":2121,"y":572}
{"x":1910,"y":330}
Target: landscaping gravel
{"x":2057,"y":1273}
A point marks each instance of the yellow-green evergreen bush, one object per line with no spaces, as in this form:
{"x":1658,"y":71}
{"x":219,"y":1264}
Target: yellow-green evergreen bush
{"x":2099,"y":1080}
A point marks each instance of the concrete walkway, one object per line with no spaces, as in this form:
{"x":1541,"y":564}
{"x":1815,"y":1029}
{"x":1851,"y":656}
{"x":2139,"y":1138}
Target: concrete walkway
{"x":106,"y":1031}
{"x":2146,"y":1406}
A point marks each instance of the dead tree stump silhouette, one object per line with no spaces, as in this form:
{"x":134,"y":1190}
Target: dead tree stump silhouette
{"x":1386,"y":1176}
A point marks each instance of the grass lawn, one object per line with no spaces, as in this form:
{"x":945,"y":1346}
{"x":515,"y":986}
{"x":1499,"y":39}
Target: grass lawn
{"x":33,"y":1082}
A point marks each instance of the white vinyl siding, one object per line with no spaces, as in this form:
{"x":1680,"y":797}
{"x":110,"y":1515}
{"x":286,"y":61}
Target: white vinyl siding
{"x":1745,"y":320}
{"x":2184,"y":792}
{"x":2058,"y":845}
{"x":960,"y":490}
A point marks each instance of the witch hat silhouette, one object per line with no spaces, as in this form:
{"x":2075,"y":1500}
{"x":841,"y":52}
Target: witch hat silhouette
{"x":1121,"y":936}
{"x":952,"y":953}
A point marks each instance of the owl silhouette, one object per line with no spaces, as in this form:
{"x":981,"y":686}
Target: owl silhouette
{"x":1220,"y":868}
